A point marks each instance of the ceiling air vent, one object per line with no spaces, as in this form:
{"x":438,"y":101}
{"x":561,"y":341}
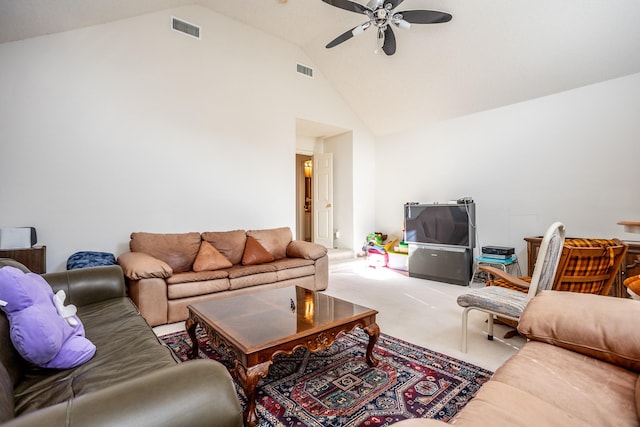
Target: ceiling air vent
{"x":303,"y":69}
{"x":185,"y":27}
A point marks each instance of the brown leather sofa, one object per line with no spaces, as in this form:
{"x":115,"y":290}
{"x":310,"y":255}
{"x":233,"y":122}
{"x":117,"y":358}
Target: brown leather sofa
{"x":579,"y":368}
{"x":163,"y":279}
{"x":132,"y":380}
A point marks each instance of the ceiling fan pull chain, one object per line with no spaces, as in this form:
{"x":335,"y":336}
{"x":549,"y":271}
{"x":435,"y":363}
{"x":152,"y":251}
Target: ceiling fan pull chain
{"x":379,"y":40}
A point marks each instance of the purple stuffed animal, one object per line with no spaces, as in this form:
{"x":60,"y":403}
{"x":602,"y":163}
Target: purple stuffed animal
{"x":39,"y":332}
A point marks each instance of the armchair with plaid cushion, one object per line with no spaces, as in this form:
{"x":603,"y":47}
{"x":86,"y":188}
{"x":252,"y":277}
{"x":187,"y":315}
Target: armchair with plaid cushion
{"x":586,"y":266}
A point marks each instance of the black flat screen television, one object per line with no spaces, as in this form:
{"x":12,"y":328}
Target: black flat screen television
{"x":440,"y":224}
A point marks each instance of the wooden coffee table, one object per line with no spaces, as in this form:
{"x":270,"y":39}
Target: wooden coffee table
{"x":260,"y":325}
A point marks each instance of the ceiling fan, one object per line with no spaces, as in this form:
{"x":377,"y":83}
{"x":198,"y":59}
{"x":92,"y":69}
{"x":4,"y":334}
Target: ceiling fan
{"x":382,"y":15}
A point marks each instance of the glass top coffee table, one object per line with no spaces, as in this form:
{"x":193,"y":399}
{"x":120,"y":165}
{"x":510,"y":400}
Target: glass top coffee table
{"x":257,"y":326}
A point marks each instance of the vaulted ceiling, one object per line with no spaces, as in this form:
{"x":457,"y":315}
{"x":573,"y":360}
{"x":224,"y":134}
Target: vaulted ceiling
{"x":492,"y":53}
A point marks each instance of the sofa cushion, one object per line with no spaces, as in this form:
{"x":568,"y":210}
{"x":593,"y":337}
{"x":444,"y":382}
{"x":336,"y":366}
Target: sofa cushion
{"x":209,"y":258}
{"x":177,"y":250}
{"x":9,"y":356}
{"x":255,"y":253}
{"x":248,"y":270}
{"x":228,"y":243}
{"x":193,"y":276}
{"x":292,"y":268}
{"x":12,"y":366}
{"x":289,"y":263}
{"x":638,"y":397}
{"x":274,"y":240}
{"x":587,"y":389}
{"x":547,"y":319}
{"x":295,"y":273}
{"x":253,"y":280}
{"x":192,"y":289}
{"x":502,"y":405}
{"x":6,"y":396}
{"x":139,"y":265}
{"x":119,"y":333}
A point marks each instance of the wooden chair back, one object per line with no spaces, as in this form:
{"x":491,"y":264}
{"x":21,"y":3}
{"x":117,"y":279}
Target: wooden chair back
{"x":589,"y":265}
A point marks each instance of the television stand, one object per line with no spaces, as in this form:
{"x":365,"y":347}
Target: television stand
{"x":442,"y":264}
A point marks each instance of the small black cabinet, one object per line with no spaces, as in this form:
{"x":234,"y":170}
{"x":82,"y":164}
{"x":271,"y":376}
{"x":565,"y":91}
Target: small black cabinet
{"x":442,"y":264}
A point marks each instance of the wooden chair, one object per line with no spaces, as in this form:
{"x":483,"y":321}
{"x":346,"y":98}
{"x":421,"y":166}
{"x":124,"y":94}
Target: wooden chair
{"x":586,"y":266}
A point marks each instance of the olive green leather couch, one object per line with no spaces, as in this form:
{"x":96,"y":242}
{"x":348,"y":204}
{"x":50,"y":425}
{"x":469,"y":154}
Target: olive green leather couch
{"x":132,"y":380}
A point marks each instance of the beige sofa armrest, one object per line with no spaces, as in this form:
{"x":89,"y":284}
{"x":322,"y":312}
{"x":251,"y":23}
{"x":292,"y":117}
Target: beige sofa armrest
{"x":306,"y":250}
{"x":598,"y":326}
{"x":138,"y":265}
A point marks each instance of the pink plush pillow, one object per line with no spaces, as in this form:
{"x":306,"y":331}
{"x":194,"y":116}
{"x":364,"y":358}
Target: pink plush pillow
{"x":209,"y":258}
{"x":254,"y":253}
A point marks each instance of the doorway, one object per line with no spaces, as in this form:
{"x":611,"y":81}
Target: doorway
{"x":304,"y":197}
{"x":315,"y":219}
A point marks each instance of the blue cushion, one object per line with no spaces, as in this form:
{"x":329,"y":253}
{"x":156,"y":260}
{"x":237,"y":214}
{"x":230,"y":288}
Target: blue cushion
{"x":90,"y":259}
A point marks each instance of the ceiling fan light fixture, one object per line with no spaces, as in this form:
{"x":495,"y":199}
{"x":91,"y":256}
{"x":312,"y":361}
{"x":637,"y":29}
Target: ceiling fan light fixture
{"x":360,"y":29}
{"x":401,"y":23}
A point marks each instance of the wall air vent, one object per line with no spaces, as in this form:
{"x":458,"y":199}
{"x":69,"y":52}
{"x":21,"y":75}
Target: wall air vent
{"x":303,"y":69}
{"x":185,"y":27}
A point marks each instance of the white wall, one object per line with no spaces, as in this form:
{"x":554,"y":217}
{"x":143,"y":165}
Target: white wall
{"x":131,"y":126}
{"x":570,"y":157}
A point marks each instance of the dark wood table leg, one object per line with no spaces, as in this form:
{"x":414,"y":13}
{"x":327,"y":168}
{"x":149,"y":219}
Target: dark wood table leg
{"x":249,"y":378}
{"x":373,"y":330}
{"x":191,"y":325}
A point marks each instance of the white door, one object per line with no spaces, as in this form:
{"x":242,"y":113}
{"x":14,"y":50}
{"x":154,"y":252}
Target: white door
{"x":323,"y":199}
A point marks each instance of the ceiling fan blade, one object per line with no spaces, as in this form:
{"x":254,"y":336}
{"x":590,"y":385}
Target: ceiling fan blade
{"x":348,"y":34}
{"x":425,"y":16}
{"x":389,"y":46}
{"x":348,"y":5}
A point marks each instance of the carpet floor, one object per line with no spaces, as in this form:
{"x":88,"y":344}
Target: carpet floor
{"x":336,"y":387}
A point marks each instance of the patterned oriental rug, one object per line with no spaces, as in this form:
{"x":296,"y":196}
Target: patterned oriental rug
{"x":336,"y":387}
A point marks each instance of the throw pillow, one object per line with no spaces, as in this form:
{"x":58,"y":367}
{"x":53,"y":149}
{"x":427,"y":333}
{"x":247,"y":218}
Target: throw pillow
{"x":38,"y":331}
{"x":209,"y":258}
{"x":254,"y":253}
